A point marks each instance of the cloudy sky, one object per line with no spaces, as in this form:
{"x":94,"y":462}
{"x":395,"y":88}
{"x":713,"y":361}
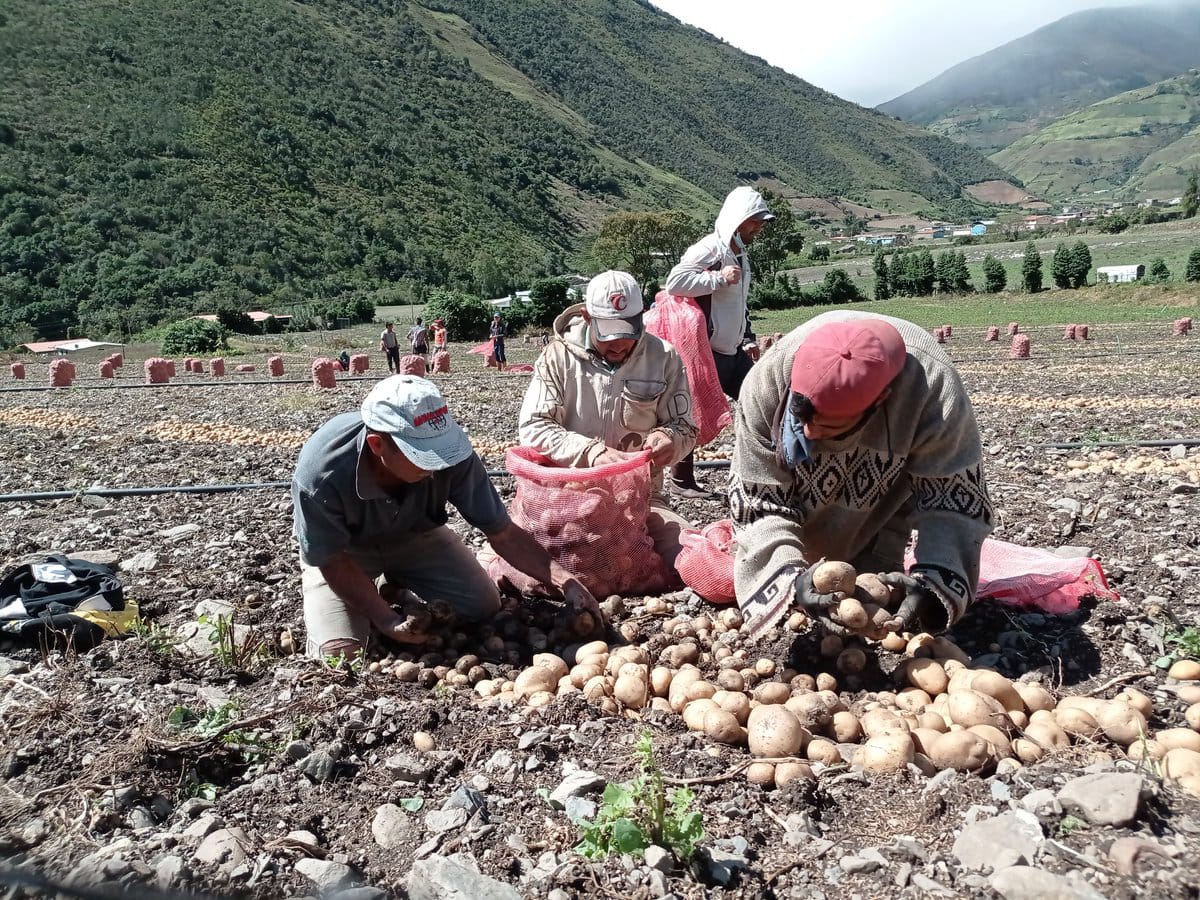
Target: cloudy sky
{"x":870,"y":51}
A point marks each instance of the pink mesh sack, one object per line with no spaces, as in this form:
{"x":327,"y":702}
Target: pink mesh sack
{"x":412,"y":365}
{"x":680,"y":322}
{"x":591,"y":520}
{"x":706,"y":561}
{"x":441,"y":362}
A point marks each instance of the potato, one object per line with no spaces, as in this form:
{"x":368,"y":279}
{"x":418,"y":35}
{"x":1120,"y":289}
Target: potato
{"x":886,"y":753}
{"x":997,"y":686}
{"x":944,"y":648}
{"x":1184,"y":670}
{"x":722,"y":726}
{"x":893,"y":643}
{"x":698,"y":690}
{"x":623,"y":655}
{"x":761,"y":773}
{"x":1189,"y":784}
{"x":772,"y":692}
{"x":1188,"y":693}
{"x":965,"y":751}
{"x":869,"y":589}
{"x":631,"y":691}
{"x":731,"y":680}
{"x":824,"y":751}
{"x":923,"y":739}
{"x":810,"y":710}
{"x":852,"y":614}
{"x":831,"y":699}
{"x":913,"y":700}
{"x":785,"y":772}
{"x":880,"y":721}
{"x":1028,"y":751}
{"x":1180,"y":763}
{"x":1141,"y":750}
{"x":591,"y":648}
{"x":1076,"y":721}
{"x":1122,"y":724}
{"x":581,"y":674}
{"x":832,"y":576}
{"x":1048,"y":735}
{"x":535,"y":679}
{"x":677,"y":693}
{"x":831,"y":645}
{"x":1034,"y":696}
{"x":539,"y":699}
{"x":734,"y":702}
{"x":1138,"y":701}
{"x":660,"y":680}
{"x":680,"y":655}
{"x":774,"y":731}
{"x":661,"y":704}
{"x":851,"y":661}
{"x":928,"y":675}
{"x":1175,"y":738}
{"x":803,"y":682}
{"x":1192,"y":716}
{"x":694,"y":713}
{"x":932,"y":720}
{"x":826,"y":682}
{"x":969,"y":708}
{"x":845,"y":727}
{"x":920,"y":645}
{"x":998,"y":743}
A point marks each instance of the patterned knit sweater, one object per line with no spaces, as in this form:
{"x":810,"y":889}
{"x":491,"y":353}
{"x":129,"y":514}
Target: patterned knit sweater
{"x":915,"y":464}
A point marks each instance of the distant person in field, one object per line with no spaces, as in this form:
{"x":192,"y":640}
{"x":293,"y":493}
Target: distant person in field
{"x":418,"y":340}
{"x":369,"y":505}
{"x":389,"y":344}
{"x":344,"y":360}
{"x":853,"y":432}
{"x":716,"y":272}
{"x":604,"y":388}
{"x":498,"y":332}
{"x":439,"y":335}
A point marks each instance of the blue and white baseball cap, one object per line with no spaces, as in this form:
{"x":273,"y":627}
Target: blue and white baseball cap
{"x":413,"y":411}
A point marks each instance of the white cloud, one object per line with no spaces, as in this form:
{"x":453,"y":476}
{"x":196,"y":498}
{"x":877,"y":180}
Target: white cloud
{"x":870,"y":51}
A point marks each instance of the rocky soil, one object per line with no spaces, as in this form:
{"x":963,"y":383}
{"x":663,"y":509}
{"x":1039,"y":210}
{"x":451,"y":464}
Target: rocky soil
{"x":171,"y":762}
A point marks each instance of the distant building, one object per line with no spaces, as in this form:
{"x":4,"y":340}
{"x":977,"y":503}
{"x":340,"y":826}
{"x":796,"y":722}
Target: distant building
{"x":883,"y":240}
{"x":257,"y":316}
{"x":62,"y":348}
{"x":1119,"y":274}
{"x":506,"y":302}
{"x":931,"y":232}
{"x":1035,"y":223}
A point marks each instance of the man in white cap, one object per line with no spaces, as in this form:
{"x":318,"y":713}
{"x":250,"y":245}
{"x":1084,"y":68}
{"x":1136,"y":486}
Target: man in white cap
{"x":604,"y":388}
{"x":716,"y":272}
{"x":853,"y":432}
{"x":369,"y":497}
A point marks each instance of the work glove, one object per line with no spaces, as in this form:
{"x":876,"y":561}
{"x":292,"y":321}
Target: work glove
{"x":816,"y":605}
{"x":921,"y":609}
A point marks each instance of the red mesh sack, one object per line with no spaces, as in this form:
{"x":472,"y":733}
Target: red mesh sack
{"x":412,"y":365}
{"x":706,"y":561}
{"x":680,"y":322}
{"x":591,"y":520}
{"x":441,"y":362}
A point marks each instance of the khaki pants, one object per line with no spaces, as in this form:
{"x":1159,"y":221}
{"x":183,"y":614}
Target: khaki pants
{"x":434,"y":565}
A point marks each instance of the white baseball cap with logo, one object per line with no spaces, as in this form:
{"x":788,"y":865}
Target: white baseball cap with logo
{"x":413,"y":412}
{"x":614,"y":304}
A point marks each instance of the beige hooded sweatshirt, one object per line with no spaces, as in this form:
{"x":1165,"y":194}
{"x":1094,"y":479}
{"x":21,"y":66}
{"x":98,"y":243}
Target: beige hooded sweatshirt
{"x":577,"y":404}
{"x":699,"y":271}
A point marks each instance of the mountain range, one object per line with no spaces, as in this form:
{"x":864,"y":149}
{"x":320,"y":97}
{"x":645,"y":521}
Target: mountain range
{"x":162,"y":158}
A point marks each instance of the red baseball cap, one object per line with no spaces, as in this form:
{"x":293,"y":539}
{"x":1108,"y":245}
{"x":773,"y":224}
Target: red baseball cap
{"x":843,"y":367}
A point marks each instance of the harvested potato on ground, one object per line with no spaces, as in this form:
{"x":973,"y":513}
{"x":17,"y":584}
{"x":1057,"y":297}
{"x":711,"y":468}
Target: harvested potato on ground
{"x":722,"y":726}
{"x":773,"y":731}
{"x":761,"y":773}
{"x":1180,"y":763}
{"x":928,"y":675}
{"x":1173,"y":738}
{"x":797,"y":771}
{"x":886,"y":753}
{"x":869,"y":589}
{"x":965,"y":751}
{"x":1185,"y":670}
{"x":1121,"y":723}
{"x":1192,"y":716}
{"x":852,"y":614}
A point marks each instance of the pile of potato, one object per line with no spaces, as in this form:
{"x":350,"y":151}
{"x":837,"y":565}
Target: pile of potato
{"x":215,"y":433}
{"x":1066,"y":404}
{"x":1106,"y":462}
{"x":711,"y":453}
{"x":489,"y":448}
{"x":45,"y":418}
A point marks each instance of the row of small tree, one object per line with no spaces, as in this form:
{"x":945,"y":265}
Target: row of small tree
{"x":918,"y":274}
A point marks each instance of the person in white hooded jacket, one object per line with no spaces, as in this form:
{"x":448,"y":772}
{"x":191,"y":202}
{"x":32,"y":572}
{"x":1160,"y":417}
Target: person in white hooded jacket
{"x":716,"y":271}
{"x":604,"y":388}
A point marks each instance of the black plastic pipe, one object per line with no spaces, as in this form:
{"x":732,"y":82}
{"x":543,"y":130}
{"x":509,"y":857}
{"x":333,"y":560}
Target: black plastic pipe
{"x":1079,"y":445}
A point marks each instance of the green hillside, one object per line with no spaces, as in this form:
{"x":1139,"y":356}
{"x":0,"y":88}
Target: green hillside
{"x":1142,"y":142}
{"x":158,"y":158}
{"x":994,"y":99}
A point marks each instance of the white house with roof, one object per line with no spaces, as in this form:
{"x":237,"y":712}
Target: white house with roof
{"x":1120,"y":274}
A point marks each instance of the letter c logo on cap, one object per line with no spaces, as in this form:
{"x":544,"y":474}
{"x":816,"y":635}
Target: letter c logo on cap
{"x":618,"y":301}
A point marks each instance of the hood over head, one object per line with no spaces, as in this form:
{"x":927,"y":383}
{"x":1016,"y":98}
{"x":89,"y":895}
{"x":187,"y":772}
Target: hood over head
{"x":743,"y":203}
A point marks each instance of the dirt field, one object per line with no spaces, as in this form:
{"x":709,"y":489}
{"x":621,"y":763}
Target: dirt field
{"x":155,"y":763}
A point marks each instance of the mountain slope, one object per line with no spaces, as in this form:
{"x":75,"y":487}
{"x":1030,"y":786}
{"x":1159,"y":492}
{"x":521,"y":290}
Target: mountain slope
{"x":162,"y":157}
{"x":996,"y":98}
{"x":1140,"y":142}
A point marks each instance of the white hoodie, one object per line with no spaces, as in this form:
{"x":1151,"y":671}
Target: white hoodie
{"x":699,"y":271}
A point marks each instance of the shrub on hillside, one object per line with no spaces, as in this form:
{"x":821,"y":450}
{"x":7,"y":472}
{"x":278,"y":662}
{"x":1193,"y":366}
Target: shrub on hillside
{"x":1192,"y":273}
{"x":1157,"y":272}
{"x":236,"y":321}
{"x":548,"y":298}
{"x":467,"y":317}
{"x":995,"y":278}
{"x":193,"y":336}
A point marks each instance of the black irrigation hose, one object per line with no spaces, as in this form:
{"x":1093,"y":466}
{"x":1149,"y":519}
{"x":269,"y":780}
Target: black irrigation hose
{"x":1079,"y":445}
{"x":222,"y":488}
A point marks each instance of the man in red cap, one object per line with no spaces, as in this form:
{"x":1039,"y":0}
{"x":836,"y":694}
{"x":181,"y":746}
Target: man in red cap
{"x":852,"y":432}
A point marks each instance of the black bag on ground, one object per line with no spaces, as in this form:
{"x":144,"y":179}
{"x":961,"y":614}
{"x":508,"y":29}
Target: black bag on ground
{"x":65,"y":602}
